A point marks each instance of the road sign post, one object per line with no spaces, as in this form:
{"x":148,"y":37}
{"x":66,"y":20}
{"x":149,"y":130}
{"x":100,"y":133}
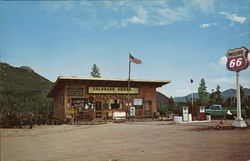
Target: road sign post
{"x":237,"y":60}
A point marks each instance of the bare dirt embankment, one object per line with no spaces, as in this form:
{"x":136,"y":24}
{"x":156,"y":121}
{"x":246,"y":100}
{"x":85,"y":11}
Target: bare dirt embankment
{"x":152,"y":141}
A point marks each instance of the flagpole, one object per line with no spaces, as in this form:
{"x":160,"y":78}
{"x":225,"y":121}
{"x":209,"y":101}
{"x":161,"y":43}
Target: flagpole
{"x":129,"y":70}
{"x":191,"y":81}
{"x":136,"y":61}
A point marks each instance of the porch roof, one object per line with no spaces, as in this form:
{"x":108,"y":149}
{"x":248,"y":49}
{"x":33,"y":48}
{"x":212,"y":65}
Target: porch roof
{"x":62,"y":80}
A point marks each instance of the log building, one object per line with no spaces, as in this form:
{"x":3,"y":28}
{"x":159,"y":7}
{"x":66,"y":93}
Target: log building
{"x":90,"y":98}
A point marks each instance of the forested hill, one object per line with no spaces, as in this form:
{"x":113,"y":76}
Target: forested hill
{"x":23,"y":89}
{"x":161,"y":97}
{"x":22,"y":78}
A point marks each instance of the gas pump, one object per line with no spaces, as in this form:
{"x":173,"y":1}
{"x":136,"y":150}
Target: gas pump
{"x":132,"y":113}
{"x":185,"y":113}
{"x":201,"y":113}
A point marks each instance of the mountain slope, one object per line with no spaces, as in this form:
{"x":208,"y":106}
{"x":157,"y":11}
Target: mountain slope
{"x":161,"y":98}
{"x":232,"y":93}
{"x":23,"y":78}
{"x":225,"y":94}
{"x":184,"y":98}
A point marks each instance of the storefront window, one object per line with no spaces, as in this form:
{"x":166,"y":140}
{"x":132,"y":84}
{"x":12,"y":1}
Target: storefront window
{"x":105,"y":106}
{"x":98,"y":105}
{"x":115,"y":104}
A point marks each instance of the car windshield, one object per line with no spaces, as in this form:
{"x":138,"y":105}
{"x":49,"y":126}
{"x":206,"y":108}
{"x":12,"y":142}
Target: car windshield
{"x":215,"y":107}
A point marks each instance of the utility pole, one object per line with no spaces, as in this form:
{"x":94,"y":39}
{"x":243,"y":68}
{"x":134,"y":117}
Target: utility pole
{"x":191,"y":81}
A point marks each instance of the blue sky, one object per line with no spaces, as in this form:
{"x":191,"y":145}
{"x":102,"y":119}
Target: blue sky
{"x":176,"y":39}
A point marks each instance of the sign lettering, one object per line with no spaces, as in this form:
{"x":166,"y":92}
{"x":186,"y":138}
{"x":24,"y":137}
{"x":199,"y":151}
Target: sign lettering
{"x":113,"y":90}
{"x":237,"y":59}
{"x":74,"y":91}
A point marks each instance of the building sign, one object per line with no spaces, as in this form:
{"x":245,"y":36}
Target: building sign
{"x":113,"y":90}
{"x":237,"y":59}
{"x":74,"y":91}
{"x":132,"y":111}
{"x":137,"y":101}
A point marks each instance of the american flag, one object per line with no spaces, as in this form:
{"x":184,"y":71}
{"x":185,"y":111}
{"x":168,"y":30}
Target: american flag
{"x":134,"y":60}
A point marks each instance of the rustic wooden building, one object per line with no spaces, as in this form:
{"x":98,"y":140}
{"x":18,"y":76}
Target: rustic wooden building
{"x":89,"y":98}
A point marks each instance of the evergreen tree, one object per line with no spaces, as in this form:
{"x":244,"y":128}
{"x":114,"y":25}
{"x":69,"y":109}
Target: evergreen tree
{"x":171,"y":101}
{"x":218,"y":99}
{"x":202,"y":91}
{"x":229,"y":102}
{"x":246,"y":104}
{"x":162,"y":108}
{"x":95,"y":72}
{"x":245,"y":101}
{"x":242,"y":94}
{"x":212,"y":98}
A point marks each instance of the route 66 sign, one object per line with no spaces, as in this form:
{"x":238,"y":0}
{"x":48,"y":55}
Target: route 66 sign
{"x":237,"y":59}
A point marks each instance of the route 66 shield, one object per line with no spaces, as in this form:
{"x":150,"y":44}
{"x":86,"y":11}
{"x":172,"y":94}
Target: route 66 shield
{"x":237,"y":59}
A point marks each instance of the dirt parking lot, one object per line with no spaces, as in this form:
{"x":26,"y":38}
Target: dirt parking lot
{"x":147,"y":141}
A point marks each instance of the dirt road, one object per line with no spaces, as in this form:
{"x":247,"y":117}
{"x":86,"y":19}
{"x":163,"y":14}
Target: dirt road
{"x":148,"y":141}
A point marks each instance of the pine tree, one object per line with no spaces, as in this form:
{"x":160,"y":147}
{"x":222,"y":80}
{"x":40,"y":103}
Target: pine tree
{"x":228,"y":102}
{"x":212,"y":98}
{"x":171,"y":101}
{"x":242,"y":94}
{"x":218,"y":98}
{"x":202,"y":91}
{"x":95,"y":72}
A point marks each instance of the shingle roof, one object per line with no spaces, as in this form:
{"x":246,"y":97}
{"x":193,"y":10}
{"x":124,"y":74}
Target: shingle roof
{"x":102,"y":81}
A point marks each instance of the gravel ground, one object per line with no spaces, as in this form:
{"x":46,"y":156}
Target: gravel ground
{"x":147,"y":141}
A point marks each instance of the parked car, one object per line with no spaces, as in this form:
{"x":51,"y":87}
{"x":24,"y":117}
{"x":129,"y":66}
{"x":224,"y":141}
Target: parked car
{"x":220,"y":111}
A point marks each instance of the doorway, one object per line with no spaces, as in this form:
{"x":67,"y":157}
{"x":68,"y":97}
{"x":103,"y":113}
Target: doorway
{"x":98,"y":109}
{"x":147,"y":107}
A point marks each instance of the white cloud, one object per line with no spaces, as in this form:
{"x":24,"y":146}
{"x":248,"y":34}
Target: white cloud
{"x":141,"y":18}
{"x":206,"y":25}
{"x":121,"y":13}
{"x":77,"y":21}
{"x":205,"y":5}
{"x":82,"y":22}
{"x":114,"y":24}
{"x":223,"y":60}
{"x":233,"y":17}
{"x":224,"y":77}
{"x":165,"y":16}
{"x":219,"y":66}
{"x":110,"y":24}
{"x":160,"y":12}
{"x":154,"y":15}
{"x":136,"y":19}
